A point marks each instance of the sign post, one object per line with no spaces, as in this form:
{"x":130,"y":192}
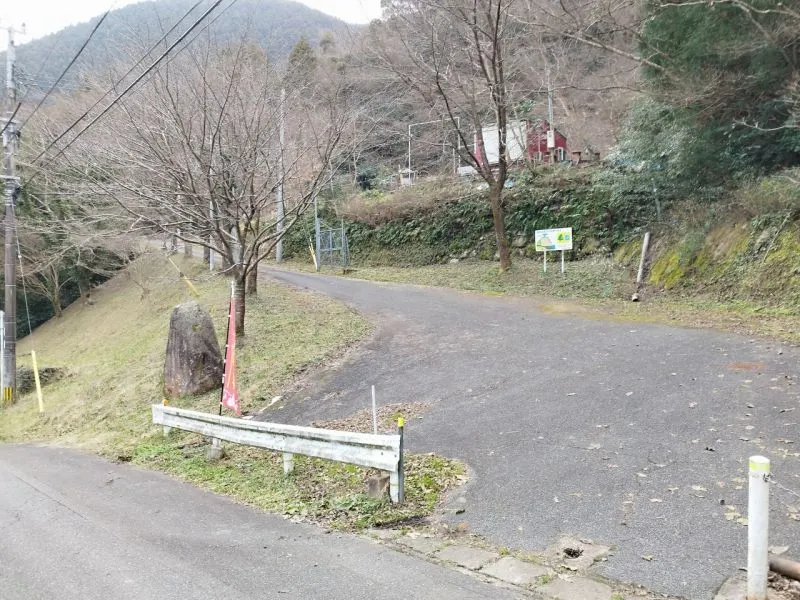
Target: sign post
{"x":553,"y":239}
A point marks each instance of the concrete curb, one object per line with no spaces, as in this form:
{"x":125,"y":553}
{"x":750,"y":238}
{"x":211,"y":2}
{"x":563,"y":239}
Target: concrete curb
{"x":543,"y":577}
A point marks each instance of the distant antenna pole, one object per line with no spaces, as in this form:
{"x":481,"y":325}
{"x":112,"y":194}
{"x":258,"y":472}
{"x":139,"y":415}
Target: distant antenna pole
{"x":282,"y":174}
{"x":9,"y":351}
{"x":551,"y":130}
{"x":409,"y":150}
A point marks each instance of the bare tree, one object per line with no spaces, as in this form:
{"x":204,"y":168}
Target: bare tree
{"x":197,"y":149}
{"x":619,"y":28}
{"x":461,"y":58}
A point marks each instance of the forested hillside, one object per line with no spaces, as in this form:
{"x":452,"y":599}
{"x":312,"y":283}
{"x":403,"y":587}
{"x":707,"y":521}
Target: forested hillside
{"x":276,"y":25}
{"x":693,"y":107}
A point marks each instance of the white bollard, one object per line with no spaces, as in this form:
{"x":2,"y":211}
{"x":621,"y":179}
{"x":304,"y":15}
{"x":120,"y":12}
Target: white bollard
{"x":758,"y":529}
{"x":374,"y":413}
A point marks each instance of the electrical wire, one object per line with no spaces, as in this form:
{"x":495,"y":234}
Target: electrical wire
{"x":11,"y":118}
{"x":22,"y":272}
{"x":67,"y":68}
{"x":28,"y":90}
{"x":130,"y":87}
{"x":121,"y":79}
{"x":204,"y":28}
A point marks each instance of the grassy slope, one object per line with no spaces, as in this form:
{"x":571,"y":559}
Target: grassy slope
{"x":114,"y":351}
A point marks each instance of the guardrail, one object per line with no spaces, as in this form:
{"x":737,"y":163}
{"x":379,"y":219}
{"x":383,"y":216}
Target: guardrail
{"x":384,"y":452}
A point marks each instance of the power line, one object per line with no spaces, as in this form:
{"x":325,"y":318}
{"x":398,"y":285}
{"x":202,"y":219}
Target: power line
{"x":136,"y":81}
{"x":38,"y":73}
{"x":67,"y":68}
{"x":11,"y":118}
{"x":205,"y":27}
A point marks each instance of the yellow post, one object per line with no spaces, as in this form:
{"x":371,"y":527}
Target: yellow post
{"x":38,"y":383}
{"x":184,"y":278}
{"x":191,"y":286}
{"x":313,"y":255}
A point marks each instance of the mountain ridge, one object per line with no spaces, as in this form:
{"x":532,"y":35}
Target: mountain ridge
{"x":277,"y":25}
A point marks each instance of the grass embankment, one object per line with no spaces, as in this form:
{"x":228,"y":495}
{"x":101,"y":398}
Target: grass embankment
{"x":114,"y":353}
{"x":594,"y":288}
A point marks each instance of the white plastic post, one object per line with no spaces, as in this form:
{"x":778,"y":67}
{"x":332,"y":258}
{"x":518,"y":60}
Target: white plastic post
{"x":562,"y":262}
{"x":545,"y":261}
{"x":758,"y":528}
{"x":374,"y":413}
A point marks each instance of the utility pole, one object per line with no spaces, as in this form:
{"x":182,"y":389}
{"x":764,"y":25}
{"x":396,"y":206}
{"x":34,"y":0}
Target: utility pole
{"x":551,"y":130}
{"x":10,"y":137}
{"x":282,"y":174}
{"x":318,"y":254}
{"x":211,"y":235}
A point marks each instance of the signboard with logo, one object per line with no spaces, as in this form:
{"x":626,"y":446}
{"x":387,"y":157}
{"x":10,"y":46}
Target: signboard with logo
{"x":551,"y":240}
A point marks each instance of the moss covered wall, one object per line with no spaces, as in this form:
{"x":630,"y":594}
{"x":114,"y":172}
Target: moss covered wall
{"x":757,"y":259}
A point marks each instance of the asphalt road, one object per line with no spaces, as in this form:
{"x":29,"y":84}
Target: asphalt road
{"x":76,"y":527}
{"x":634,"y":435}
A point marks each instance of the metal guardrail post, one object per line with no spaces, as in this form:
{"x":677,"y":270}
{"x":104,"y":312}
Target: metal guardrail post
{"x":288,"y":463}
{"x":397,"y":480}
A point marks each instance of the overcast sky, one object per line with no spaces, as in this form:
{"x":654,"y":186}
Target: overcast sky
{"x":46,"y":16}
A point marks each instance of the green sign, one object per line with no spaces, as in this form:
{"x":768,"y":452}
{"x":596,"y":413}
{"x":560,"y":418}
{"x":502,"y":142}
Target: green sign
{"x":551,"y":240}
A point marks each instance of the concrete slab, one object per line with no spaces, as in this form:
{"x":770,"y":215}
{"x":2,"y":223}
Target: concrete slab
{"x":513,"y":570}
{"x":735,"y":588}
{"x":587,"y":553}
{"x":467,"y":556}
{"x":385,"y":534}
{"x":425,"y":545}
{"x":576,"y":588}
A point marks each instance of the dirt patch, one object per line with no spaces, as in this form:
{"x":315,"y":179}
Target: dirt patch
{"x":784,"y":588}
{"x":747,"y":366}
{"x":387,"y":418}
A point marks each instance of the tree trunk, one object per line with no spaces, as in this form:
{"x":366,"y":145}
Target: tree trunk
{"x":206,"y":255}
{"x":496,"y":200}
{"x":187,"y":249}
{"x":239,"y":301}
{"x":252,"y":282}
{"x":56,"y":302}
{"x":55,"y":296}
